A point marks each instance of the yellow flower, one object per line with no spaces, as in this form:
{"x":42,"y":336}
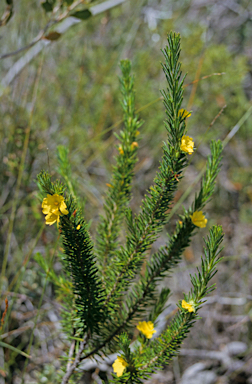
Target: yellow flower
{"x":134,"y":145}
{"x":189,"y":306}
{"x":147,"y":328}
{"x":53,"y":206}
{"x":198,"y":219}
{"x":120,"y":150}
{"x":119,"y":366}
{"x":187,"y":144}
{"x":78,"y":227}
{"x":51,"y":218}
{"x":184,"y":113}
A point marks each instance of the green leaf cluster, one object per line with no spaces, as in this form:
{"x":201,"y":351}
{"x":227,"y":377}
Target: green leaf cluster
{"x":114,"y":283}
{"x":48,"y":5}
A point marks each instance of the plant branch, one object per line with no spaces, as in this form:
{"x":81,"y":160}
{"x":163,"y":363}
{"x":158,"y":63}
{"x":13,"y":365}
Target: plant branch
{"x":71,"y":368}
{"x":7,"y":14}
{"x":145,"y":233}
{"x":41,"y":35}
{"x":178,"y":334}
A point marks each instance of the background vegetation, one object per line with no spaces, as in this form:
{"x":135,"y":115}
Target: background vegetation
{"x":68,"y":95}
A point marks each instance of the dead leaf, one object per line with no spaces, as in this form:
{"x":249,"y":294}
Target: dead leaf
{"x":52,"y":36}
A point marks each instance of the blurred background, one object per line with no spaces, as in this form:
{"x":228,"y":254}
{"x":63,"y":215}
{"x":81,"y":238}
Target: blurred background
{"x":64,"y":90}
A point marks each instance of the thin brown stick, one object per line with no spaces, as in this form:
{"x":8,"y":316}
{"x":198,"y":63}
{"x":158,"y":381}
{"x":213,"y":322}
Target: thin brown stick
{"x":30,"y":45}
{"x":18,"y":331}
{"x":204,"y":77}
{"x":71,"y":368}
{"x":195,"y":83}
{"x":70,"y":354}
{"x":4,"y":313}
{"x":210,"y":126}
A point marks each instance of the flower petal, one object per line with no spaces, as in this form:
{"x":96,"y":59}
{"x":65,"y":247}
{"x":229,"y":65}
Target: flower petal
{"x":199,"y":219}
{"x":119,"y":366}
{"x":53,"y":206}
{"x":147,"y":328}
{"x":63,"y":208}
{"x":188,"y":306}
{"x":51,"y":218}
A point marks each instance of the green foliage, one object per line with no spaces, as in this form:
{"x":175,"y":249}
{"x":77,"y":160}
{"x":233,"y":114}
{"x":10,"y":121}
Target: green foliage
{"x":48,"y":187}
{"x":160,"y":304}
{"x":143,"y":293}
{"x":109,"y":294}
{"x":145,"y":227}
{"x":120,"y":186}
{"x":208,"y":266}
{"x":81,"y":112}
{"x":48,"y":5}
{"x":160,"y":351}
{"x":82,"y":15}
{"x":208,"y":180}
{"x":79,"y":256}
{"x":68,"y":2}
{"x":80,"y":261}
